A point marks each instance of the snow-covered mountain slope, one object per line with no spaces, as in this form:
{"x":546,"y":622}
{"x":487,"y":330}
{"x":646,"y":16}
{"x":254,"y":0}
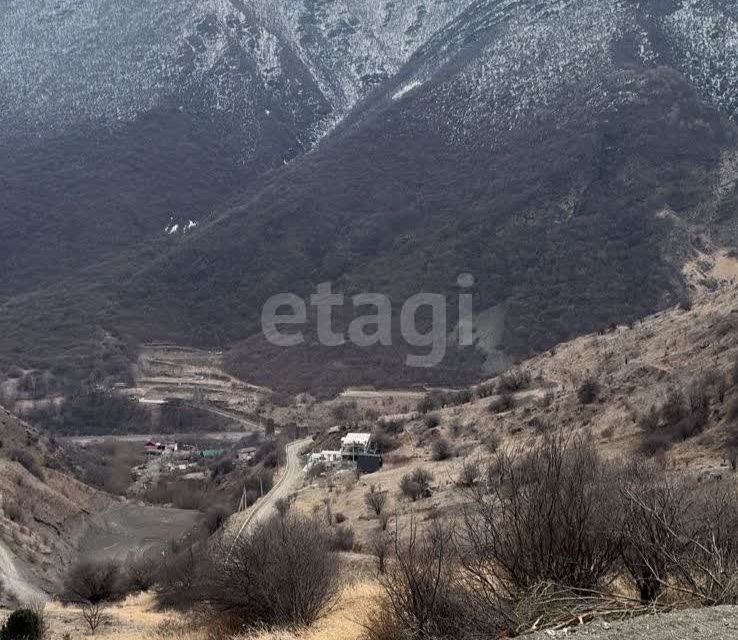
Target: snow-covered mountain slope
{"x":63,"y":62}
{"x":352,"y":46}
{"x":505,"y":61}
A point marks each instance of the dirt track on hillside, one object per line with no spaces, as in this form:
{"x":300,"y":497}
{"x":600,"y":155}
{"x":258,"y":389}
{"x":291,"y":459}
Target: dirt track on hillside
{"x":288,"y":482}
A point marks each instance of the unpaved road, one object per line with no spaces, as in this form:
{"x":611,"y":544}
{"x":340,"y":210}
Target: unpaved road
{"x":230,"y":436}
{"x":716,"y":623}
{"x":288,"y":482}
{"x":231,"y":415}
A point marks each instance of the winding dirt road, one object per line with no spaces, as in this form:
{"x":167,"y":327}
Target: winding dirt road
{"x":288,"y":482}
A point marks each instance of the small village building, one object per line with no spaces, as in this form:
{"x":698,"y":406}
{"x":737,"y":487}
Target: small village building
{"x":154,"y":448}
{"x":246,"y":454}
{"x":369,"y":462}
{"x":326,"y":457}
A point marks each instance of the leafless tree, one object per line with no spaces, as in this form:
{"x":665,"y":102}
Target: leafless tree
{"x":380,"y":546}
{"x":94,"y":615}
{"x":375,"y":500}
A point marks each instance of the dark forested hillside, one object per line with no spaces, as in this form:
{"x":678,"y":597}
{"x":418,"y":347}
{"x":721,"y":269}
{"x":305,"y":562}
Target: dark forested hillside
{"x":571,"y":155}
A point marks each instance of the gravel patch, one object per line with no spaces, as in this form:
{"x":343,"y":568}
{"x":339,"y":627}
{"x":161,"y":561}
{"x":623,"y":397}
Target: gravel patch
{"x":716,"y":623}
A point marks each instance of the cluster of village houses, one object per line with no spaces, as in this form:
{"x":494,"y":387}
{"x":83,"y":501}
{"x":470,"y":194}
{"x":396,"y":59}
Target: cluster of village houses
{"x":182,"y":457}
{"x":357,"y":450}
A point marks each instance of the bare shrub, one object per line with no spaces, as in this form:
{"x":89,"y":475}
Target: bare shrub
{"x":651,"y":508}
{"x":674,"y":409}
{"x":439,"y":399}
{"x":440,"y":450}
{"x":343,"y":539}
{"x":282,"y":574}
{"x":588,"y":391}
{"x":502,"y":403}
{"x":649,"y":421}
{"x":375,"y":500}
{"x":469,"y":474}
{"x":681,"y":416}
{"x":92,"y":582}
{"x":734,"y":372}
{"x":39,"y":610}
{"x":733,"y":460}
{"x":655,"y":443}
{"x":428,"y":403}
{"x":384,"y":441}
{"x":431,"y":421}
{"x":541,"y":424}
{"x":486,"y":389}
{"x":316,"y":471}
{"x":215,"y":517}
{"x":733,"y":411}
{"x":513,"y":381}
{"x":177,"y":586}
{"x":416,"y":485}
{"x":139,"y":572}
{"x":699,"y":398}
{"x":380,"y":545}
{"x":424,"y":597}
{"x":681,"y":538}
{"x":16,"y":512}
{"x":546,"y":515}
{"x":283,"y":506}
{"x":547,"y":533}
{"x":492,"y":441}
{"x":384,"y":519}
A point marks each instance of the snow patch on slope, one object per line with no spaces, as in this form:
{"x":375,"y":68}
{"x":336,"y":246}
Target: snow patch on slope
{"x":408,"y":88}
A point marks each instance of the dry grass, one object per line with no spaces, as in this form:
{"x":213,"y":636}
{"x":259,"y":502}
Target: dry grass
{"x":133,"y":619}
{"x":137,"y":619}
{"x":344,"y":622}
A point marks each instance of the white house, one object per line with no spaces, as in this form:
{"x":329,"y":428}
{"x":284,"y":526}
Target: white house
{"x":355,"y":442}
{"x":328,"y":457}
